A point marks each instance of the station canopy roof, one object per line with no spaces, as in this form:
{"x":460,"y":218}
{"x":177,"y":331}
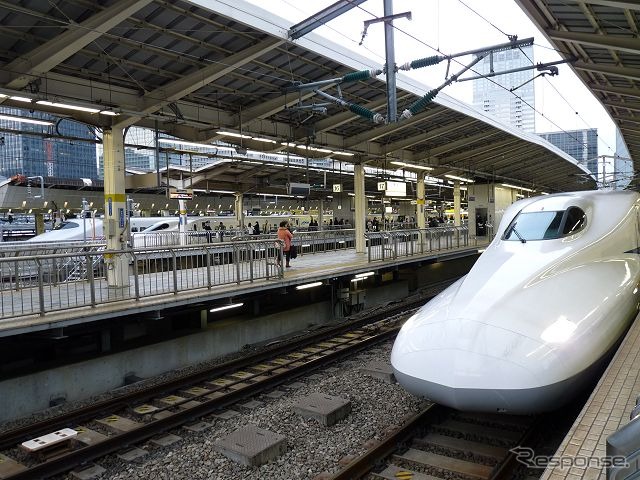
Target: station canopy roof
{"x":208,"y":70}
{"x":603,"y":36}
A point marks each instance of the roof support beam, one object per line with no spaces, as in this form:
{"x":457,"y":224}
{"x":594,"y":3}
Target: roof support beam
{"x":633,"y":107}
{"x":623,"y":44}
{"x":426,"y":136}
{"x":434,"y":152}
{"x":318,"y":19}
{"x":388,"y":129}
{"x":626,"y":92}
{"x":163,"y":96}
{"x":49,"y":55}
{"x":624,"y":72}
{"x":613,"y":4}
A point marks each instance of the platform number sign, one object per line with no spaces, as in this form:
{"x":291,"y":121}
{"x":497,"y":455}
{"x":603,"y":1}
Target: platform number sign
{"x":382,"y":186}
{"x":337,"y":187}
{"x":121,"y":217}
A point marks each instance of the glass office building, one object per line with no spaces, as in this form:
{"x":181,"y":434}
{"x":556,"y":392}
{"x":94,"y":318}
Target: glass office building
{"x":580,"y":144}
{"x":493,"y":96}
{"x":43,"y":153}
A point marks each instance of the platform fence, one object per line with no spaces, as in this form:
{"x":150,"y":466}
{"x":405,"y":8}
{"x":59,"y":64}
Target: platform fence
{"x":38,"y":284}
{"x":393,"y":244}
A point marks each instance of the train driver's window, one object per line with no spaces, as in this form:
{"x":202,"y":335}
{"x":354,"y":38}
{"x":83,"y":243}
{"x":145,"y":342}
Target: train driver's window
{"x":67,"y":225}
{"x":534,"y":226}
{"x":574,"y":221}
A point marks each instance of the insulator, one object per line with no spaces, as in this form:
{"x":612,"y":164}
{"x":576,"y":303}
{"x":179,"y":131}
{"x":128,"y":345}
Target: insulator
{"x":361,"y":75}
{"x":425,"y":62}
{"x":363,"y":112}
{"x":423,"y":102}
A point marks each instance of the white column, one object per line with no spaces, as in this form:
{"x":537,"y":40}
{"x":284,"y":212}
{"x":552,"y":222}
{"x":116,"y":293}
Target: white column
{"x":239,"y":208}
{"x":456,"y":203}
{"x":361,"y":207}
{"x":182,"y":221}
{"x":420,"y":202}
{"x":115,"y":207}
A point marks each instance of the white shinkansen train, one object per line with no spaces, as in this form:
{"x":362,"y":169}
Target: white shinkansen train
{"x":537,"y":314}
{"x":92,"y":229}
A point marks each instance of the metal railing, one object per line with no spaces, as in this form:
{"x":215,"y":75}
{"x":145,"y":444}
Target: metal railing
{"x":38,"y":284}
{"x":392,"y":244}
{"x":40,"y":278}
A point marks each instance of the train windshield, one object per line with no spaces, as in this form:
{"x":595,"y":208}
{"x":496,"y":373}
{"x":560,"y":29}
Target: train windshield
{"x":65,"y":226}
{"x":545,"y":225}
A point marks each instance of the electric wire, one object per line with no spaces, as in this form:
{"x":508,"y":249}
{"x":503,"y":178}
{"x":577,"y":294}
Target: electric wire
{"x":546,"y":79}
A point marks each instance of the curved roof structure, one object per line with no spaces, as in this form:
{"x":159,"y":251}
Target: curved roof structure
{"x":603,"y":36}
{"x":201,"y":70}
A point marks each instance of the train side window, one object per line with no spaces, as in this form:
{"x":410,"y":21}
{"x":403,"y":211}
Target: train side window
{"x":574,"y":221}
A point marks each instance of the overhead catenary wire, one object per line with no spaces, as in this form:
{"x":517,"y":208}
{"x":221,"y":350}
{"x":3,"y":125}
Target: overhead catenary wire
{"x":478,"y":73}
{"x":547,"y":80}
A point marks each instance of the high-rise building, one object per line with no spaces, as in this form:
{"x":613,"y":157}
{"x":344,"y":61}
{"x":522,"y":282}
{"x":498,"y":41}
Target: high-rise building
{"x":44,"y":153}
{"x":580,"y":144}
{"x":493,"y":95}
{"x":622,"y":165}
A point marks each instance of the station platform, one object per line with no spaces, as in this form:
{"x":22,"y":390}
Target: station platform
{"x":155,"y":295}
{"x":607,"y":409}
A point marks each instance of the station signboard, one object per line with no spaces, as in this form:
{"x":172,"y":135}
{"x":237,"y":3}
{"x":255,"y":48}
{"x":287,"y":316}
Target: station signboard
{"x":181,"y":193}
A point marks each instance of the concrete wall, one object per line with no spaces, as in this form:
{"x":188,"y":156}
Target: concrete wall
{"x":25,"y":395}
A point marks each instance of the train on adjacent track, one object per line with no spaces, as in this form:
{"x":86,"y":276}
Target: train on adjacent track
{"x":539,"y":312}
{"x":74,"y":229}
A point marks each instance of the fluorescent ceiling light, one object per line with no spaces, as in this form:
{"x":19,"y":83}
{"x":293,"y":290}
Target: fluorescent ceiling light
{"x":67,"y":106}
{"x":232,"y":134}
{"x":346,"y":154}
{"x":517,"y":188}
{"x":184,"y":142}
{"x":462,"y":179}
{"x":288,"y":144}
{"x":21,"y":99}
{"x":25,"y":120}
{"x":109,"y":112}
{"x":364,"y":275}
{"x":308,"y":285}
{"x":226,"y":307}
{"x":266,"y":140}
{"x":408,"y":165}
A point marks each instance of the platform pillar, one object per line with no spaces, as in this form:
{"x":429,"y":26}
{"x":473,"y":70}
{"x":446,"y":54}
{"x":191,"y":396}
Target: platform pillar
{"x":456,"y":203}
{"x":115,"y":207}
{"x":320,"y":214}
{"x":420,"y":202}
{"x":239,"y":208}
{"x":361,"y":207}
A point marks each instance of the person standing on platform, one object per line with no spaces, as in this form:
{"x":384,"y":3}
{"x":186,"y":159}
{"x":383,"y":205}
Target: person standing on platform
{"x":286,"y":236}
{"x":256,"y":229}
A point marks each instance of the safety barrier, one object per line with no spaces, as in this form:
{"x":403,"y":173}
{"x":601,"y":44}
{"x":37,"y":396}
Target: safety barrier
{"x":38,"y":284}
{"x":390,"y":245}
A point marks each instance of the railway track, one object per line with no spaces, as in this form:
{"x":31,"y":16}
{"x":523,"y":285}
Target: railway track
{"x":110,"y":425}
{"x":442,"y":443}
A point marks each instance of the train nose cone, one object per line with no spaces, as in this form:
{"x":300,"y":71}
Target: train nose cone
{"x":465,"y":365}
